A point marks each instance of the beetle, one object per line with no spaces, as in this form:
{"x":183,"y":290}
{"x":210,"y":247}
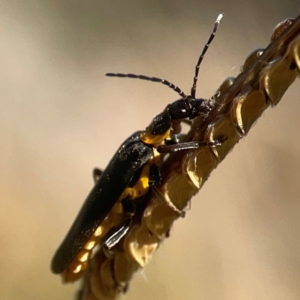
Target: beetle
{"x":107,"y":212}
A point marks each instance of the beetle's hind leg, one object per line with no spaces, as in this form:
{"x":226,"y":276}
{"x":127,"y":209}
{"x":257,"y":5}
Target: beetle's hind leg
{"x":129,"y":208}
{"x":115,"y":238}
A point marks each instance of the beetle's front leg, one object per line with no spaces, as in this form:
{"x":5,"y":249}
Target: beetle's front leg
{"x":176,"y":135}
{"x":190,"y":145}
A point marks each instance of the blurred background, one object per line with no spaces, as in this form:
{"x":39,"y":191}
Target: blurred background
{"x":60,"y":117}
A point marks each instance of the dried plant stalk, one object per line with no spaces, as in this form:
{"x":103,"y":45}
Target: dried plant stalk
{"x":265,"y":76}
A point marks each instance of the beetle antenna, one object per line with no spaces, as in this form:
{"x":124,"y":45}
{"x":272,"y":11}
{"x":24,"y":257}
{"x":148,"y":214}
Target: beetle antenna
{"x":154,"y":79}
{"x":197,"y":68}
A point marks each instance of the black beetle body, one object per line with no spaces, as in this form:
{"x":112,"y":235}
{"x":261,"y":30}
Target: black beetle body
{"x":131,"y":172}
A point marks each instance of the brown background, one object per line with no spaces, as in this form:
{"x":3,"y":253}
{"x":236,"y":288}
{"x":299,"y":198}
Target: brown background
{"x":60,"y":116}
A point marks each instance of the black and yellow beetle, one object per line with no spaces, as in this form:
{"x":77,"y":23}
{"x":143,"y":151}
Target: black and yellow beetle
{"x":107,"y":212}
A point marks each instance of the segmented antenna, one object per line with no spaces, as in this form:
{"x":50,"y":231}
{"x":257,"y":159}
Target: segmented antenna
{"x":197,"y":68}
{"x":154,"y":79}
{"x":170,"y":84}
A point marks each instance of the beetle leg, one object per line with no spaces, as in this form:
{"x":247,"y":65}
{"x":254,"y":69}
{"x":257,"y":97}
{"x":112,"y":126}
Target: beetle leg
{"x":154,"y":176}
{"x":129,"y":208}
{"x":97,"y":174}
{"x":189,"y":145}
{"x":172,"y":141}
{"x":115,"y":238}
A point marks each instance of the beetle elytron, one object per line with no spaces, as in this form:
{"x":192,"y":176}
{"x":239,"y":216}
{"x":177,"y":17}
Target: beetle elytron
{"x":107,"y":212}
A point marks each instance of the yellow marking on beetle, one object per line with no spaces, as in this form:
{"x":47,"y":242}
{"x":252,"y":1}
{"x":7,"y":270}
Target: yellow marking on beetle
{"x":90,"y":245}
{"x":98,"y":231}
{"x":84,"y":257}
{"x":156,"y":159}
{"x":141,"y":187}
{"x":153,"y":139}
{"x":77,"y":269}
{"x":118,"y":207}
